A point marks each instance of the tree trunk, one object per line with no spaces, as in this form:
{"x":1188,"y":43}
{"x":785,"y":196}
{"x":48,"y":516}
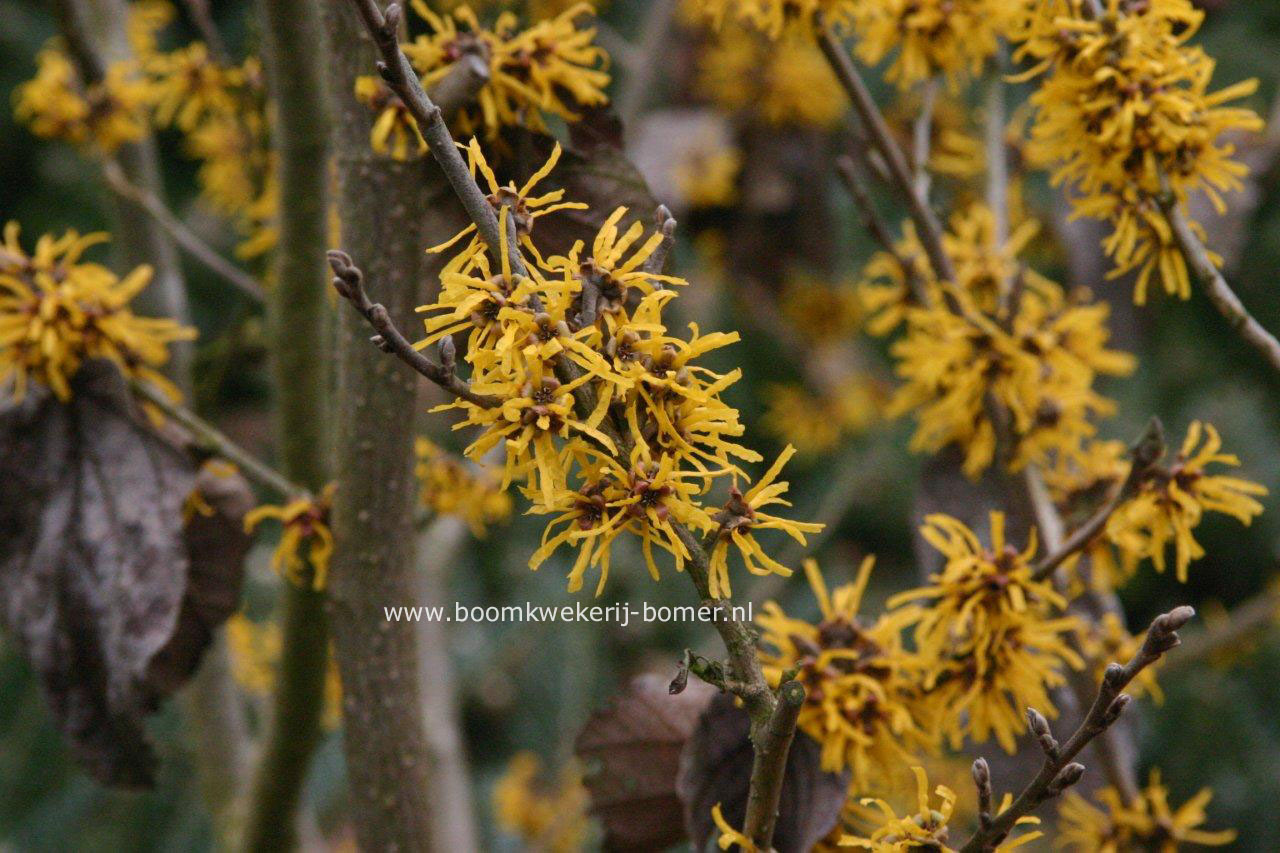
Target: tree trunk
{"x":298,"y":309}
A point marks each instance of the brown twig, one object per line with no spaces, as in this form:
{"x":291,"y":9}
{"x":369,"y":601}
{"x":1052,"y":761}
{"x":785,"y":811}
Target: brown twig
{"x":1059,"y":772}
{"x":349,"y":282}
{"x":847,"y":170}
{"x":928,"y":225}
{"x":769,"y":766}
{"x":1145,"y":453}
{"x":1214,"y":284}
{"x":183,"y":236}
{"x":666,"y":223}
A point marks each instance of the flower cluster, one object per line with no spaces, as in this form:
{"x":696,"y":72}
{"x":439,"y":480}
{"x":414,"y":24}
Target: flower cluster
{"x":607,"y":419}
{"x":58,"y":311}
{"x":926,"y":828}
{"x":930,"y":37}
{"x":551,"y":68}
{"x":1148,"y":823}
{"x":992,"y":634}
{"x":306,"y":540}
{"x":816,"y":422}
{"x":219,"y":108}
{"x":1125,"y":114}
{"x":966,"y":359}
{"x":775,"y":17}
{"x":863,"y":698}
{"x":786,"y":82}
{"x":452,"y":486}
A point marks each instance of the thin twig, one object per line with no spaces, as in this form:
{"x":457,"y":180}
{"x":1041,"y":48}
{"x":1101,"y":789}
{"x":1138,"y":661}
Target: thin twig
{"x":198,"y":12}
{"x":666,"y":223}
{"x":1214,"y":284}
{"x":348,"y":280}
{"x":1059,"y":772}
{"x":1148,"y":450}
{"x":186,"y":239}
{"x":848,"y":172}
{"x":928,"y":225}
{"x":768,"y":768}
{"x":208,"y":438}
{"x":922,"y":135}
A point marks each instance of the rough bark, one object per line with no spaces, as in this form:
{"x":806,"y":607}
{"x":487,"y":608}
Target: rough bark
{"x":387,"y":211}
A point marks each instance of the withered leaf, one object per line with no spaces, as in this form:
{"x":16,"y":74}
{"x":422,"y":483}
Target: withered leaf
{"x":716,"y":768}
{"x":631,"y":752}
{"x":95,"y":581}
{"x":593,"y":169}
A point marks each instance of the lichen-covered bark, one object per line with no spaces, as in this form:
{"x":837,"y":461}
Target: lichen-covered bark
{"x":387,"y":210}
{"x":301,"y":350}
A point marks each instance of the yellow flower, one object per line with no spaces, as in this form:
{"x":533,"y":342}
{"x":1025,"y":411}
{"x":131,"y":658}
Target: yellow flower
{"x":187,"y":85}
{"x":989,"y":632}
{"x":728,"y":835}
{"x":394,"y":131}
{"x":1148,"y":823}
{"x":59,"y":105}
{"x":926,"y":828}
{"x":450,"y":487}
{"x":553,"y":67}
{"x":862,"y":689}
{"x":57,"y":311}
{"x":742,"y":517}
{"x":525,"y":208}
{"x":816,"y":423}
{"x":1124,"y":106}
{"x":1172,"y":503}
{"x":930,"y":37}
{"x":706,"y":171}
{"x":822,"y":311}
{"x":785,"y":82}
{"x":306,"y":540}
{"x":545,"y":814}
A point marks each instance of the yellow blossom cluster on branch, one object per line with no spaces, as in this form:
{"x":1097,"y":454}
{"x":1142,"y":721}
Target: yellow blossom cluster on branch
{"x":1148,"y":823}
{"x":606,"y":418}
{"x":58,"y":311}
{"x":967,"y":358}
{"x":1124,"y":113}
{"x":553,"y":67}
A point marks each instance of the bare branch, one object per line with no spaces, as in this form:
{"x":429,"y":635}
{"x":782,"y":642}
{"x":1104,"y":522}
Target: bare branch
{"x":183,"y":236}
{"x":769,"y":766}
{"x":1215,"y":285}
{"x":209,"y":439}
{"x":666,"y":223}
{"x":349,"y":282}
{"x":1145,"y":453}
{"x":848,"y":172}
{"x":921,"y":135}
{"x":1059,"y":772}
{"x":927,"y":223}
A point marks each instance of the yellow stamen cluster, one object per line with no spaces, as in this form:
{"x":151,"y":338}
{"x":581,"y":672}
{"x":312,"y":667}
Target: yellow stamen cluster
{"x":306,"y":540}
{"x":1149,"y":823}
{"x":605,"y":417}
{"x":58,"y":311}
{"x":1124,"y":109}
{"x":993,"y":635}
{"x":451,"y":486}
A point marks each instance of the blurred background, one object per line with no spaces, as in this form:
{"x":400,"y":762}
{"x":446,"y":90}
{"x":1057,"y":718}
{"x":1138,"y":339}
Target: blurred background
{"x":740,"y":141}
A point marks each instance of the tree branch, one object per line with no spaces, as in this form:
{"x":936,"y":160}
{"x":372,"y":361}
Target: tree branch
{"x":183,"y":236}
{"x":1059,"y":772}
{"x":1215,"y":285}
{"x":769,"y":766}
{"x":348,"y":280}
{"x":1145,"y":453}
{"x":928,"y":226}
{"x":209,"y":439}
